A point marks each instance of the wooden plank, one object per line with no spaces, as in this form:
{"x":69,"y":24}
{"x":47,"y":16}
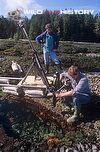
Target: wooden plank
{"x":8,"y":85}
{"x":23,"y":86}
{"x":29,"y":94}
{"x":10,"y":92}
{"x":10,"y":88}
{"x":34,"y":93}
{"x":10,"y":78}
{"x":38,"y":81}
{"x":5,"y":81}
{"x":32,"y":87}
{"x":29,"y":82}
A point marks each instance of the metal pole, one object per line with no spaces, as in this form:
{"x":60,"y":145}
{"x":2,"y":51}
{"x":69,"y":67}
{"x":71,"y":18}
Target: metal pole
{"x":36,"y":61}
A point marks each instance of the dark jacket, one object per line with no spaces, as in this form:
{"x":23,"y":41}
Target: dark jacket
{"x":42,"y":39}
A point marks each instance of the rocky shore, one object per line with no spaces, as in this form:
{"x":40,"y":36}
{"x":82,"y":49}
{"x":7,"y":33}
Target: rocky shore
{"x":94,"y":81}
{"x":29,"y":127}
{"x":33,"y":128}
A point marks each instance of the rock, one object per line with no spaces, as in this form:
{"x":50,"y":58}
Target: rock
{"x":1,"y":144}
{"x":32,"y":150}
{"x":94,"y":148}
{"x":94,"y":81}
{"x":97,"y":124}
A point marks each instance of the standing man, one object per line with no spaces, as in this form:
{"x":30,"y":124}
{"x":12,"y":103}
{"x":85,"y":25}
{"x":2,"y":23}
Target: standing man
{"x":50,"y":44}
{"x":80,"y":91}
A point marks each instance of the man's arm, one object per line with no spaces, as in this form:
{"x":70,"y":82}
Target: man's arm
{"x":63,"y":94}
{"x":39,"y":38}
{"x":81,"y":86}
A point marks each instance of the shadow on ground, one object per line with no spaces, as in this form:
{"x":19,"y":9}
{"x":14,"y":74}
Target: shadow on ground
{"x":91,"y":112}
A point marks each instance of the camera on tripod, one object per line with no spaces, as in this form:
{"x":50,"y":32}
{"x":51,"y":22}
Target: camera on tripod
{"x":15,"y":15}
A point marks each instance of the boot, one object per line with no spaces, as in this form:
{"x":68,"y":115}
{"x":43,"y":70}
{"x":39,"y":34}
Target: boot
{"x":59,"y":68}
{"x":75,"y":117}
{"x":47,"y":69}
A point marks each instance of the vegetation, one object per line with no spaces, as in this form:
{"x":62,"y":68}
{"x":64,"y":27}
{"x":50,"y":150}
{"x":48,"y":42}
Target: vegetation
{"x":68,"y":52}
{"x":74,"y":27}
{"x":29,"y":127}
{"x":32,"y":126}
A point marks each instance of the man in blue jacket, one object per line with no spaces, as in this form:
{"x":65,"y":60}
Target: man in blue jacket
{"x":50,"y":44}
{"x":80,"y":91}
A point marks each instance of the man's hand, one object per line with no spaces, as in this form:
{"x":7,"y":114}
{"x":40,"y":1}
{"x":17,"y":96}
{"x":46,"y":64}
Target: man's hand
{"x":58,"y":94}
{"x":63,"y":94}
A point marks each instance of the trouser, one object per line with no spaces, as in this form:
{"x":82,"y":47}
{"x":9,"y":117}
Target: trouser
{"x":53,"y":56}
{"x":79,"y":100}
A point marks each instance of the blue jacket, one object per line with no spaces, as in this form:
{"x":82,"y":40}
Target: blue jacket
{"x":80,"y":86}
{"x":41,"y":39}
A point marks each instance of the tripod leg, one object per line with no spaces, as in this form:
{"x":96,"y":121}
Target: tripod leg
{"x":54,"y":100}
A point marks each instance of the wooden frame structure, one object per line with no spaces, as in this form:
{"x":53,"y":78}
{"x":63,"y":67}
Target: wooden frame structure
{"x":29,"y":86}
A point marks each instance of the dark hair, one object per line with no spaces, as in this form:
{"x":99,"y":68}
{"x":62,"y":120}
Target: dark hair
{"x":48,"y":26}
{"x":73,"y":70}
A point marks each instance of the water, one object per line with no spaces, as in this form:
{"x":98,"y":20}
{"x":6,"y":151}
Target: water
{"x":98,"y":73}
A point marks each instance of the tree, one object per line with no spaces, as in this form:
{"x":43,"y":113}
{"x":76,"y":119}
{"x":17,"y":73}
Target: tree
{"x":97,"y":28}
{"x":89,"y":28}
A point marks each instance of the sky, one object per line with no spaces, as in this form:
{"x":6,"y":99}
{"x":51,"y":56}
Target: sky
{"x":9,"y":5}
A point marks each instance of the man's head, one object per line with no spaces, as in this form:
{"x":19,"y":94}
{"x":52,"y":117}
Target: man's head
{"x":48,"y":27}
{"x":73,"y":71}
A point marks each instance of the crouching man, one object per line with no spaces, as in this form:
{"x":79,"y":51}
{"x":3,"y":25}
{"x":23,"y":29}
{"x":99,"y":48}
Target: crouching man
{"x":80,"y":91}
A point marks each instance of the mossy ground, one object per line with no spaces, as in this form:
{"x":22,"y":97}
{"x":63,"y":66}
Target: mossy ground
{"x":25,"y":126}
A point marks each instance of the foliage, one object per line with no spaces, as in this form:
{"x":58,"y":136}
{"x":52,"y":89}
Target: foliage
{"x":73,"y":27}
{"x":68,"y":52}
